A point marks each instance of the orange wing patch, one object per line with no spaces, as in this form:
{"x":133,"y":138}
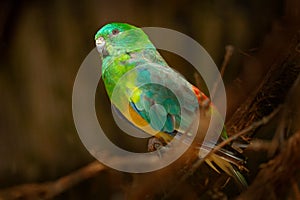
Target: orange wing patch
{"x":202,"y":98}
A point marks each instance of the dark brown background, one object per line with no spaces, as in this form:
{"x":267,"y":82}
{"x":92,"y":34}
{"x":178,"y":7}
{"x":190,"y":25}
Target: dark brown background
{"x":43,"y":44}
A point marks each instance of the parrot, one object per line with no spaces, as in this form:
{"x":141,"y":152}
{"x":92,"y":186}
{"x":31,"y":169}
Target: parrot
{"x":153,"y":96}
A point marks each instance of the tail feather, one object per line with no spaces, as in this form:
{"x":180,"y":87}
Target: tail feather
{"x":217,"y":162}
{"x":229,"y":169}
{"x":229,"y":155}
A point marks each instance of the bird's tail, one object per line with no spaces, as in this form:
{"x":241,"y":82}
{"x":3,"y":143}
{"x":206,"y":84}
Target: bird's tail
{"x":222,"y":159}
{"x":227,"y":162}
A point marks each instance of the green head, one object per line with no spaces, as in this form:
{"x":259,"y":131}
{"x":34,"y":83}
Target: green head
{"x":111,"y":29}
{"x":115,"y":39}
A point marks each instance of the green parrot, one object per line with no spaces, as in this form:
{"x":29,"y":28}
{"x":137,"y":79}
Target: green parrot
{"x":152,"y":96}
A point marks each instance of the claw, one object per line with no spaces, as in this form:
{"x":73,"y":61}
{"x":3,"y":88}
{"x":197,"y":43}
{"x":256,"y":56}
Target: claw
{"x":154,"y":144}
{"x":157,"y":144}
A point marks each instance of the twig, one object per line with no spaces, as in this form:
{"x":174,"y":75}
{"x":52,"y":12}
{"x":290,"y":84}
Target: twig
{"x":228,"y":53}
{"x":253,"y":126}
{"x":244,"y":53}
{"x":260,"y":145}
{"x":48,"y":190}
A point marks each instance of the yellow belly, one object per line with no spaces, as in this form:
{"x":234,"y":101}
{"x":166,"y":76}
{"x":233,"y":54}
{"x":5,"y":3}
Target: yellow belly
{"x":138,"y":121}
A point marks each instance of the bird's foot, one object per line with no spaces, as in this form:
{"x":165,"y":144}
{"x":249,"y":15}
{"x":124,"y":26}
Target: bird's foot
{"x":155,"y":144}
{"x":158,"y":145}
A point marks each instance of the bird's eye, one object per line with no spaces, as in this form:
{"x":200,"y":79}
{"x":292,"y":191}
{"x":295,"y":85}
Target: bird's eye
{"x":115,"y":31}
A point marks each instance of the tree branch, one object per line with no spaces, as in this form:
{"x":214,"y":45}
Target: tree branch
{"x":48,"y":190}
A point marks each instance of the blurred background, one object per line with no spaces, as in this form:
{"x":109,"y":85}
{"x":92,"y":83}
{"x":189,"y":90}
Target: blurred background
{"x":43,"y":44}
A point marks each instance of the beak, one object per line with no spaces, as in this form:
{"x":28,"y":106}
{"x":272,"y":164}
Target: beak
{"x":101,"y":47}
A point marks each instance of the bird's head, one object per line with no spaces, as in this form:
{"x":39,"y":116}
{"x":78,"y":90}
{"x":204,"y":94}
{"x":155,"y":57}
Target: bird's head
{"x":116,"y":38}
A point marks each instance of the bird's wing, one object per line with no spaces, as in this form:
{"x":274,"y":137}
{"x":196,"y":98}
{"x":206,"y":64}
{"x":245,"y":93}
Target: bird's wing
{"x":164,"y":99}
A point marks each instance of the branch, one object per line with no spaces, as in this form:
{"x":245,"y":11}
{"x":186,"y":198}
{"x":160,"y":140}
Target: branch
{"x":48,"y":190}
{"x":277,"y":173}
